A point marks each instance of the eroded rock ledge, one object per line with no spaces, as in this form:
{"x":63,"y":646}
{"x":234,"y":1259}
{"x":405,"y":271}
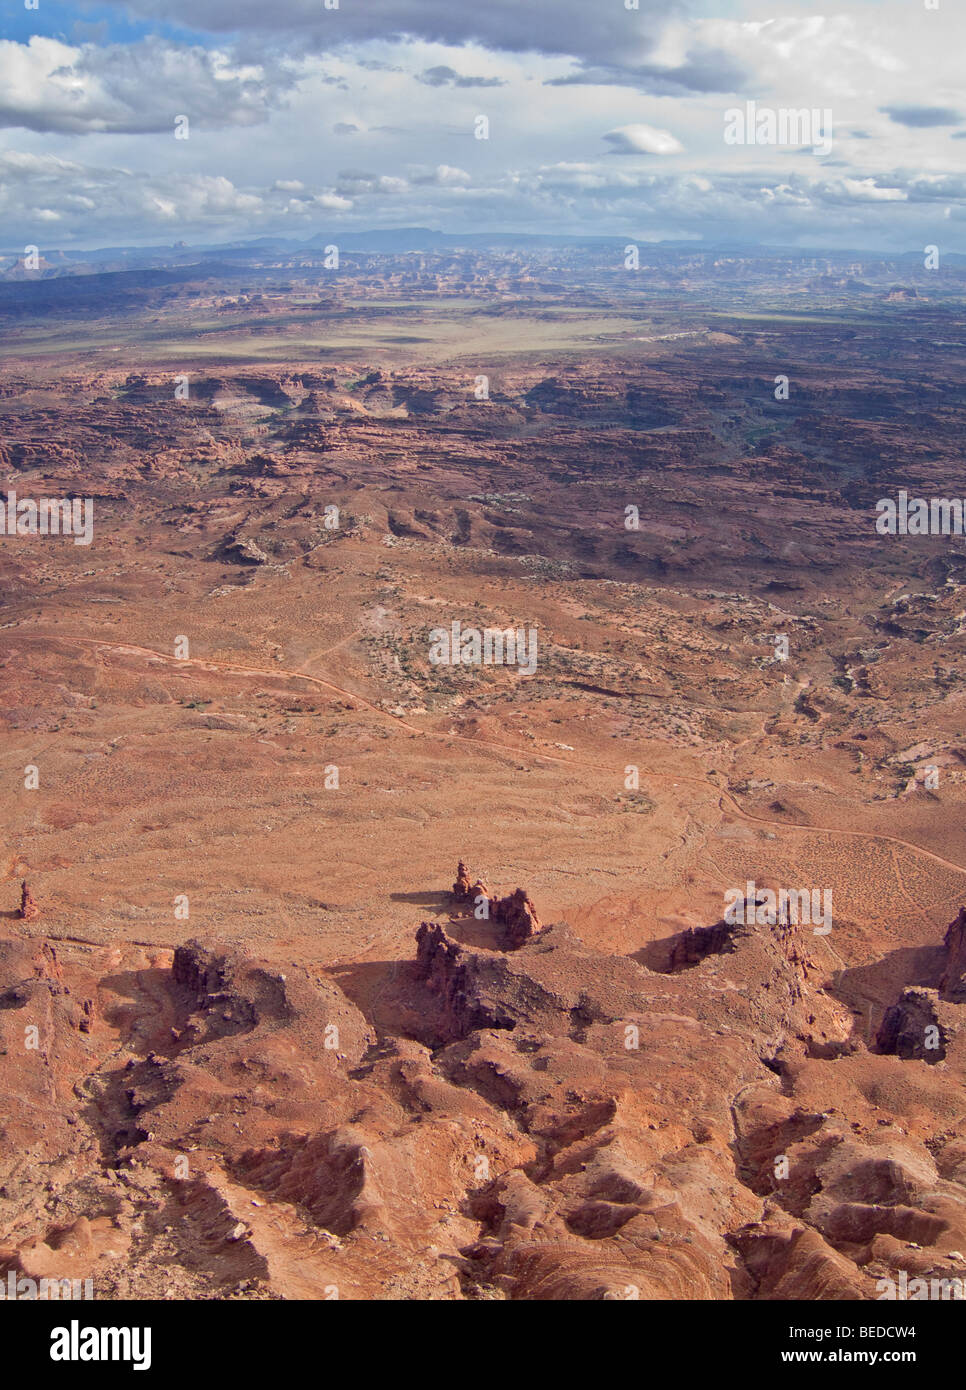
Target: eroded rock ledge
{"x":550,"y":1121}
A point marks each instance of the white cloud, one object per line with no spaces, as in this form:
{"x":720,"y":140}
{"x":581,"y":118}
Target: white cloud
{"x":447,"y":175}
{"x":643,"y":139}
{"x":47,"y":85}
{"x":867,"y":190}
{"x":35,"y":189}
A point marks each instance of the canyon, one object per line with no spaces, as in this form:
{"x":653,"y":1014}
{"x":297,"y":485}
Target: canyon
{"x":256,"y":1041}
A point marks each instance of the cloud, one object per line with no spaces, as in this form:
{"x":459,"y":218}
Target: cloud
{"x":642,"y":139}
{"x":704,"y":70}
{"x":49,"y":86}
{"x":443,"y":176}
{"x":442,"y":76}
{"x":282,"y":97}
{"x":869,"y":190}
{"x":41,"y":189}
{"x":47,"y":201}
{"x":610,"y":44}
{"x":356,"y":182}
{"x":591,"y":31}
{"x":922,"y":116}
{"x":332,"y":202}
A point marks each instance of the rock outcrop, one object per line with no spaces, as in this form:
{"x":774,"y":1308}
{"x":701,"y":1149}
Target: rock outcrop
{"x":515,"y":913}
{"x":517,"y":916}
{"x":693,"y":945}
{"x":553,"y":1121}
{"x":28,"y":910}
{"x":953,"y":983}
{"x":917,"y":1026}
{"x":465,"y":890}
{"x":463,"y":885}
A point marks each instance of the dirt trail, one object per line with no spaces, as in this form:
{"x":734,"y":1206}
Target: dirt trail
{"x":233,"y":668}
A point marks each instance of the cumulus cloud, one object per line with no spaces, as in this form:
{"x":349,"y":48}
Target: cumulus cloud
{"x":869,"y":190}
{"x":45,"y":198}
{"x":642,"y":139}
{"x":50,"y":86}
{"x":610,"y":44}
{"x":43,"y":189}
{"x":356,"y":182}
{"x":332,"y":202}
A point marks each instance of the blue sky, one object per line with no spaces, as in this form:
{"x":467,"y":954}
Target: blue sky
{"x":600,"y":120}
{"x":100,"y":23}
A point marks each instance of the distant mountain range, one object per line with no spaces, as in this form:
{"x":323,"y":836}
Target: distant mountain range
{"x":405,"y":240}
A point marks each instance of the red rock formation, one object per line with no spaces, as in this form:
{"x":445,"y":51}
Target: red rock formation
{"x":917,"y":1026}
{"x":518,"y":917}
{"x":466,"y":891}
{"x":515,"y":913}
{"x":434,"y":950}
{"x":462,"y":888}
{"x":790,"y":945}
{"x":46,"y":965}
{"x":28,"y":910}
{"x":465,"y":995}
{"x":953,"y":983}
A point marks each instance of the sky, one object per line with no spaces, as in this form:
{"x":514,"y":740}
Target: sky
{"x":601,"y":117}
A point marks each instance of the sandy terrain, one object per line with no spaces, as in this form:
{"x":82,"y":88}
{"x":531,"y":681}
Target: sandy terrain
{"x":252,"y":786}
